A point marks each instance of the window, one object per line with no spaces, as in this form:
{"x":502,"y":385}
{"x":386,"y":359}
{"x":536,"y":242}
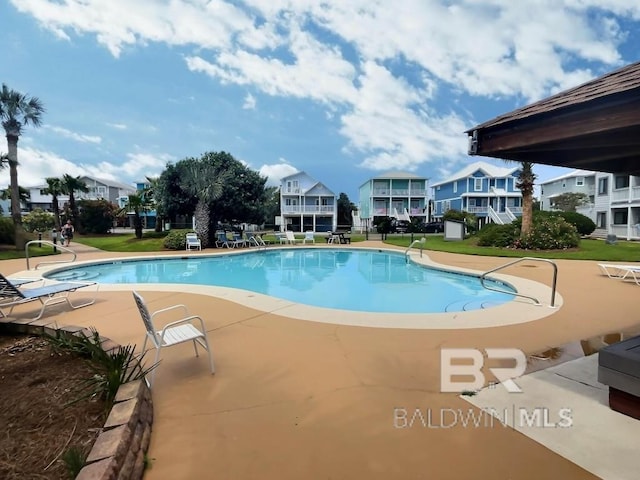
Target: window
{"x":620,"y":217}
{"x":601,"y":219}
{"x":455,"y":187}
{"x":446,"y":205}
{"x":579,"y":181}
{"x":621,"y":181}
{"x":477,"y":184}
{"x":541,"y":190}
{"x":603,"y":186}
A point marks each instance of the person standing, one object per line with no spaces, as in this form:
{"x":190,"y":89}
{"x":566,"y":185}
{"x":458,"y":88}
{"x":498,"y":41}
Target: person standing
{"x":67,"y":232}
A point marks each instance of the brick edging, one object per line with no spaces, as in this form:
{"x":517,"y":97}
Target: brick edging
{"x":119,"y":451}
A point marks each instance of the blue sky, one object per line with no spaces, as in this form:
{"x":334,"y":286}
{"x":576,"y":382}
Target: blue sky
{"x":344,"y":90}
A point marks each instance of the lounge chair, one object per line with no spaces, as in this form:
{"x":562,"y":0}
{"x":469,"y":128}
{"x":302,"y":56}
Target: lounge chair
{"x":281,"y":237}
{"x":174,"y":333}
{"x":11,"y":295}
{"x":192,"y":242}
{"x":254,"y":239}
{"x":291,"y":238}
{"x":309,"y":237}
{"x":234,"y":240}
{"x":221,"y":240}
{"x":612,"y":270}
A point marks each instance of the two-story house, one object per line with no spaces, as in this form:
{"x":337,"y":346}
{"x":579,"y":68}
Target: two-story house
{"x":306,"y":204}
{"x":576,"y":181}
{"x":399,"y":195}
{"x":617,"y":205}
{"x":487,"y":191}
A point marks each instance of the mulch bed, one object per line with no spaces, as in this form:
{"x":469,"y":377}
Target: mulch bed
{"x":39,"y":424}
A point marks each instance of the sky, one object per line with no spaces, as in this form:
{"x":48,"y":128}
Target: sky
{"x":344,"y":90}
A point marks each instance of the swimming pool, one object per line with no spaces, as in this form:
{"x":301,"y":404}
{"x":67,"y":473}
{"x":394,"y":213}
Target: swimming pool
{"x":347,"y":279}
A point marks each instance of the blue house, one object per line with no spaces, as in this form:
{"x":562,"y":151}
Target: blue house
{"x":487,"y":191}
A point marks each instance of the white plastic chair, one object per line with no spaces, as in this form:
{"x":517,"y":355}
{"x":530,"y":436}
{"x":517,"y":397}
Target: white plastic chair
{"x":173,"y":333}
{"x":192,"y":241}
{"x":309,"y":237}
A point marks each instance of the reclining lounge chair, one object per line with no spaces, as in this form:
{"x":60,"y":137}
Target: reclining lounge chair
{"x":11,"y":295}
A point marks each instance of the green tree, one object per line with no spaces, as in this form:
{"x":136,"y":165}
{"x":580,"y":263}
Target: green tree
{"x":96,"y":216}
{"x":70,"y":185}
{"x":23,"y":196}
{"x":150,"y":194}
{"x":271,"y":205}
{"x":54,"y":188}
{"x":570,"y":201}
{"x":137,"y":204}
{"x":170,"y":198}
{"x":205,"y":181}
{"x":38,"y":221}
{"x":17,"y":111}
{"x":345,"y":208}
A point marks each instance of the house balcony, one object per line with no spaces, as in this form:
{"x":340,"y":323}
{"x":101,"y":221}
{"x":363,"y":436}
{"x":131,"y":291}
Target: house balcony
{"x":310,"y":209}
{"x":476,"y":210}
{"x":417,"y":193}
{"x":631,"y":194}
{"x":378,"y":212}
{"x":628,"y":232}
{"x":417,"y":211}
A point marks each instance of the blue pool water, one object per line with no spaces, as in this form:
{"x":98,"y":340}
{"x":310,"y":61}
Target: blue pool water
{"x":357,"y":279}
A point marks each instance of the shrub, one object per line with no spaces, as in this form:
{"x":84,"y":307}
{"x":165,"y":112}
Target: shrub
{"x":96,"y":216}
{"x":470,"y":220}
{"x":38,"y":221}
{"x":583,"y":224}
{"x":175,"y":239}
{"x":494,"y":235}
{"x":552,"y":233}
{"x":7,"y":231}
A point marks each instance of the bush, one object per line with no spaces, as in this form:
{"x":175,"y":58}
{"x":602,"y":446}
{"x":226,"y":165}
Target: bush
{"x":469,"y":219}
{"x":38,"y":221}
{"x":583,"y":224}
{"x":7,"y":231}
{"x":96,"y":216}
{"x":552,"y":233}
{"x":494,"y":235}
{"x":175,"y":239}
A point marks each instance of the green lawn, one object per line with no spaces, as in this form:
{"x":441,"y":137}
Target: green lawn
{"x":588,"y":250}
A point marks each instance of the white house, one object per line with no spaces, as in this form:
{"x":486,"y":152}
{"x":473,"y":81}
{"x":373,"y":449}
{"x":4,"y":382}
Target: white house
{"x":617,"y":205}
{"x":576,"y":181}
{"x":307,"y":205}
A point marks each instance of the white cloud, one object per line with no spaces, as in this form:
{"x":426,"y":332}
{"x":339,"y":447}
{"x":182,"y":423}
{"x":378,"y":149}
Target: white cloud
{"x":78,"y":137}
{"x":249,"y":102}
{"x":35,"y":165}
{"x":276,"y":172}
{"x":117,"y":126}
{"x":376,"y":66}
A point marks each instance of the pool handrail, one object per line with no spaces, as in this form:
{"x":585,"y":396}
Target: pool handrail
{"x":518,"y":260}
{"x":55,"y":246}
{"x":421,"y":241}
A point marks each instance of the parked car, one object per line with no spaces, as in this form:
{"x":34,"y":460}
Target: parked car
{"x":433,"y":227}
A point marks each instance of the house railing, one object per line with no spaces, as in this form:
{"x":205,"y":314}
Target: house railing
{"x":515,"y":210}
{"x":494,"y":216}
{"x":625,"y":231}
{"x":626,"y":194}
{"x":509,"y":214}
{"x":308,"y":209}
{"x":476,"y":210}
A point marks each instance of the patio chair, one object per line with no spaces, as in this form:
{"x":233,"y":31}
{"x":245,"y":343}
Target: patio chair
{"x":291,"y":238}
{"x":238,"y":240}
{"x":192,"y":242}
{"x":613,"y":270}
{"x":11,"y":295}
{"x":256,"y":240}
{"x":174,"y":333}
{"x":221,"y":240}
{"x":233,"y":241}
{"x":281,"y":237}
{"x":309,"y":237}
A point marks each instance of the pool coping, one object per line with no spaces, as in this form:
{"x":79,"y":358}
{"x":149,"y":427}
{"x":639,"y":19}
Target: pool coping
{"x":517,"y":311}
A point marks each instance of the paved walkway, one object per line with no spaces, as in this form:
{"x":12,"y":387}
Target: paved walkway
{"x":298,"y":399}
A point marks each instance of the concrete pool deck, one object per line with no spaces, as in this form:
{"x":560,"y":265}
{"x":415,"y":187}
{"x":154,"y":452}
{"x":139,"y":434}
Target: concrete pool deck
{"x":302,"y":399}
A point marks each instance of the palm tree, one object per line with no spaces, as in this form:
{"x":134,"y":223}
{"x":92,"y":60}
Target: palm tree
{"x":17,"y":111}
{"x":70,"y":185}
{"x":54,"y":188}
{"x":136,"y":203}
{"x":23,"y":197}
{"x":525,"y":182}
{"x":150,"y":194}
{"x":205,"y":182}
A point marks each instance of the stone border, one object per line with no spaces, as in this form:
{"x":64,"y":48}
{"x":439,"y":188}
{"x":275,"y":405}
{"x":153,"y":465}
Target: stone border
{"x":119,"y":451}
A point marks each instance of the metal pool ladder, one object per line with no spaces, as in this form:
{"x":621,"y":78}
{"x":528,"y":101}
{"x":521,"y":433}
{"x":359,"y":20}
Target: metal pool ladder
{"x":406,"y":252}
{"x":55,"y":246}
{"x":545,"y":260}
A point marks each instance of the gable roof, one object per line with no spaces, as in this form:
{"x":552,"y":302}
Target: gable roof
{"x":572,"y":174}
{"x":488,"y":169}
{"x":110,"y":183}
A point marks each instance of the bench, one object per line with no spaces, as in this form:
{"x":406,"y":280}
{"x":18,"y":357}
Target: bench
{"x":619,"y":368}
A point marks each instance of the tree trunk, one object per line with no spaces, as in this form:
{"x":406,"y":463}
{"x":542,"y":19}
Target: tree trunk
{"x":16,"y":215}
{"x":202,"y":222}
{"x":137,"y":225}
{"x":527,"y":213}
{"x":56,"y":211}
